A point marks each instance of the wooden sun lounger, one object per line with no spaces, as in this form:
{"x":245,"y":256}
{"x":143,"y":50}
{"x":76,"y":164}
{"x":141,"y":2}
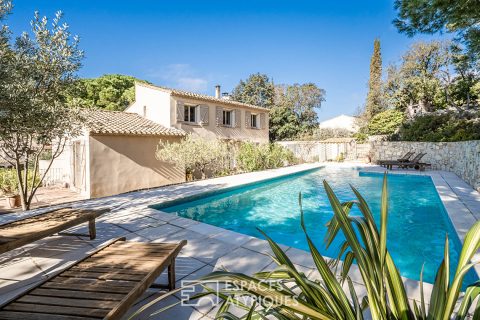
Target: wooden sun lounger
{"x":103,"y":285}
{"x":404,"y":158}
{"x":21,"y":232}
{"x":414,"y":163}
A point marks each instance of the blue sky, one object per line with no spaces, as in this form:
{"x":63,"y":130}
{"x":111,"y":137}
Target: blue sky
{"x":195,"y":45}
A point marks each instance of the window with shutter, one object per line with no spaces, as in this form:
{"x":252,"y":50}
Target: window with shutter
{"x":190,"y":113}
{"x":255,"y":123}
{"x":227,"y":117}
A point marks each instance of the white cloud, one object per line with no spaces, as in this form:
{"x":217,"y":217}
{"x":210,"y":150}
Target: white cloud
{"x":181,"y":76}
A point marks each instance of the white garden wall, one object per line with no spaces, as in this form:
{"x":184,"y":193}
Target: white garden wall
{"x":462,"y":158}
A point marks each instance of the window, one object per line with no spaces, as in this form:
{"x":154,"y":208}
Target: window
{"x":227,"y":118}
{"x":254,"y":121}
{"x":190,"y":114}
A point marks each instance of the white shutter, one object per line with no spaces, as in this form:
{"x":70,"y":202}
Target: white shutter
{"x":262,"y":121}
{"x":248,"y":119}
{"x":204,"y":114}
{"x":219,"y":116}
{"x":180,"y":111}
{"x":237,"y":118}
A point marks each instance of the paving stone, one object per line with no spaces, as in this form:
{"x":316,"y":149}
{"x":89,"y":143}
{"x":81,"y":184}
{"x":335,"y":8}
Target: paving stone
{"x":206,"y":229}
{"x":232,"y":237}
{"x":183,"y":222}
{"x":244,"y":261}
{"x":207,"y":250}
{"x":159,"y":232}
{"x":261,"y":246}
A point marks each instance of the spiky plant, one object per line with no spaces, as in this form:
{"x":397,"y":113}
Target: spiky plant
{"x":287,"y":293}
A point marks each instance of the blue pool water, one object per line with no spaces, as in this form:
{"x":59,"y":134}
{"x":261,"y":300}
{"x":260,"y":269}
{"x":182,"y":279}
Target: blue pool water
{"x":417,"y":221}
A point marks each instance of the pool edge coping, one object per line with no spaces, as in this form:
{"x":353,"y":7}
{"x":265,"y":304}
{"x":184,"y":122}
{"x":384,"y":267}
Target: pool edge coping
{"x":448,"y":198}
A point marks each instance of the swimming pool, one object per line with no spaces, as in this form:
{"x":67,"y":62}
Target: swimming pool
{"x":417,"y":222}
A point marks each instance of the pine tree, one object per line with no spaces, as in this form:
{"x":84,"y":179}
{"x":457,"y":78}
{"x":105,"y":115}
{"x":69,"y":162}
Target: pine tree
{"x":374,"y":97}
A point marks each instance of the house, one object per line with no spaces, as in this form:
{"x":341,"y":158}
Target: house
{"x":342,"y":122}
{"x":116,"y":154}
{"x":206,"y":116}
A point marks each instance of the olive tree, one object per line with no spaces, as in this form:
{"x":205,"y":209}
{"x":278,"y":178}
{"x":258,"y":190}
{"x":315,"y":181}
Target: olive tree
{"x":38,"y":69}
{"x":195,"y":153}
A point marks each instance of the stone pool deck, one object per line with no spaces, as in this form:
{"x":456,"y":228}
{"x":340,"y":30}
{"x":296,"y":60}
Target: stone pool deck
{"x":209,"y":248}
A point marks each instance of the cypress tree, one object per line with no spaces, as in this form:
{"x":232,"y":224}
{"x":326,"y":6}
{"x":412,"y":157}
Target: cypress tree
{"x":374,"y":97}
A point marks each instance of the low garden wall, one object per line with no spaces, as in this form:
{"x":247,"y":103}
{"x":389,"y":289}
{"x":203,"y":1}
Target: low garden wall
{"x":462,"y":158}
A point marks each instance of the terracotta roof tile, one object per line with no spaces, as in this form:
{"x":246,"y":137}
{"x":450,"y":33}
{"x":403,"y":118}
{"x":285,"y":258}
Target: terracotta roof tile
{"x":126,"y":123}
{"x":203,"y":97}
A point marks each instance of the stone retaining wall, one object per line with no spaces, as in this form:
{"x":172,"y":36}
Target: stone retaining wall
{"x":462,"y":158}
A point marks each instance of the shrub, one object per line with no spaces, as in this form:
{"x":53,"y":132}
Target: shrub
{"x":440,"y":128}
{"x":253,"y":157}
{"x":195,"y":153}
{"x":325,"y":133}
{"x":386,"y":122}
{"x":287,"y":293}
{"x":8,"y":182}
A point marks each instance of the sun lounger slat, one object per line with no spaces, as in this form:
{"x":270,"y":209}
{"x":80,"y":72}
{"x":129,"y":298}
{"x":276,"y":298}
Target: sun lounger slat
{"x":67,"y":302}
{"x":77,"y":294}
{"x":131,"y":265}
{"x":80,"y":281}
{"x":21,"y":232}
{"x":15,"y":315}
{"x":103,"y":288}
{"x":86,"y":290}
{"x":103,"y":275}
{"x":111,"y":269}
{"x":68,"y":311}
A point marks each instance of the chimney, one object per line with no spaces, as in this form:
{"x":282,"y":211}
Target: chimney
{"x":217,"y":91}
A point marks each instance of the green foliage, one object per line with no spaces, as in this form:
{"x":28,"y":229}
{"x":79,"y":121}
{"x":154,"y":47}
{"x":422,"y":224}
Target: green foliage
{"x":420,"y":77}
{"x":386,"y":122}
{"x":430,"y":16}
{"x":374,"y":103}
{"x":254,"y":157}
{"x":286,"y":293}
{"x":441,"y":128}
{"x":37,"y":73}
{"x":297,"y":105}
{"x":8,"y":182}
{"x":257,"y":90}
{"x":283,"y":123}
{"x":111,"y":92}
{"x":292,"y":107}
{"x":195,"y":153}
{"x":361,"y":137}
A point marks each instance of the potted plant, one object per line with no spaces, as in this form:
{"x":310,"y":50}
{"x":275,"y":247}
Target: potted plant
{"x":9,"y":188}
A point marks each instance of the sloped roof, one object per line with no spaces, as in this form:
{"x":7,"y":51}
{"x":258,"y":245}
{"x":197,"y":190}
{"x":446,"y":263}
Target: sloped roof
{"x":340,"y":122}
{"x":203,"y":97}
{"x":125,"y":123}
